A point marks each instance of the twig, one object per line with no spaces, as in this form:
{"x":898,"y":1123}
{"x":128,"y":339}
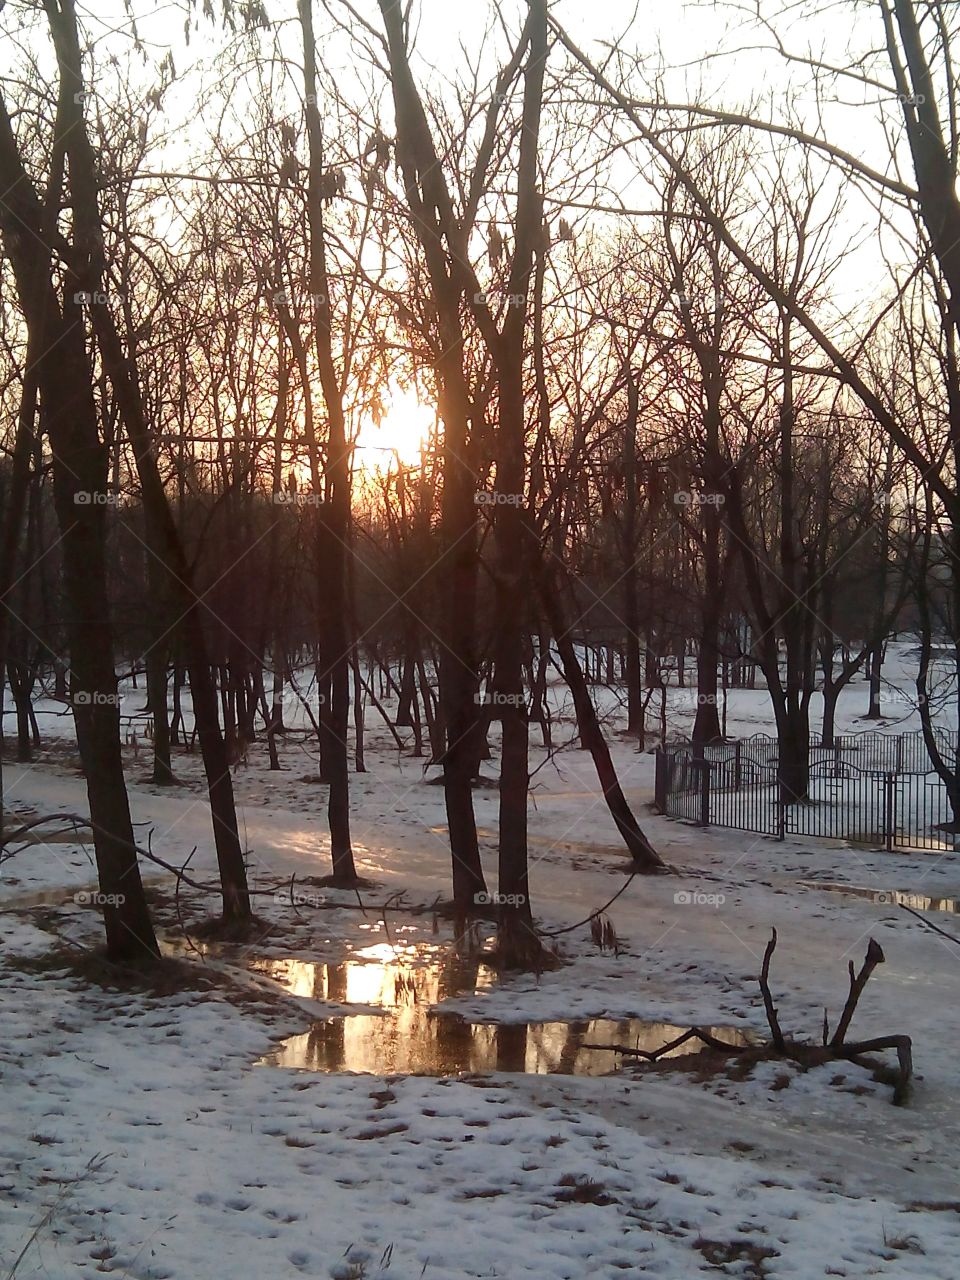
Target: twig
{"x":769,"y":1006}
{"x":930,"y":925}
{"x":652,"y":1055}
{"x":555,"y":933}
{"x":176,"y":899}
{"x":66,"y":1187}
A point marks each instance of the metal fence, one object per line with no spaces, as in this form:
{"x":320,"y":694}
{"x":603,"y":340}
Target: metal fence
{"x":867,"y":788}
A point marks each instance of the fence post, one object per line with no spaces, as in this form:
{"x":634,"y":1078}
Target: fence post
{"x":704,"y":793}
{"x":660,"y":782}
{"x":736,"y":765}
{"x":781,"y":818}
{"x":900,"y":753}
{"x":889,"y":809}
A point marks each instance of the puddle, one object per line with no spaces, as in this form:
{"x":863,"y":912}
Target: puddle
{"x":418,"y":1041}
{"x":888,"y":897}
{"x":83,"y":896}
{"x":397,"y":1029}
{"x":58,"y":897}
{"x":411,"y":1037}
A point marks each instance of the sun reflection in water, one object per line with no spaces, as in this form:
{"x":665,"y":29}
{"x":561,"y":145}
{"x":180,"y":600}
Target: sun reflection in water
{"x":412,"y":1037}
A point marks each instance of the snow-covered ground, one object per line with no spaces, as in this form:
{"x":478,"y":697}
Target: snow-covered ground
{"x":139,"y":1137}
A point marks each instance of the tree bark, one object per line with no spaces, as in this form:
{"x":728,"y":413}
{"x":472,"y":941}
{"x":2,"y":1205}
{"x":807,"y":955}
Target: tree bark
{"x":162,"y":536}
{"x":69,"y":416}
{"x":334,"y":514}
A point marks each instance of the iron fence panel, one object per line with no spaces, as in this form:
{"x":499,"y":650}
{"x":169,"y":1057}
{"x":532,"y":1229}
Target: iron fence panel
{"x":867,"y":788}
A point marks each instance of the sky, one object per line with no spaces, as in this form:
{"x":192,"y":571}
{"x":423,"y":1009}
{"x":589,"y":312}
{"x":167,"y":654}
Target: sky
{"x":688,"y":47}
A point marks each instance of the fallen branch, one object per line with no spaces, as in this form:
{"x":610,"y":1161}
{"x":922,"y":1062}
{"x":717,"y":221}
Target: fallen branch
{"x":653,"y":1055}
{"x":904,"y":1048}
{"x":805,"y":1055}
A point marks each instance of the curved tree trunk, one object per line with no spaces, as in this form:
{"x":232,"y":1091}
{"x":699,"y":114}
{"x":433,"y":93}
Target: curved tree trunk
{"x":645,"y":857}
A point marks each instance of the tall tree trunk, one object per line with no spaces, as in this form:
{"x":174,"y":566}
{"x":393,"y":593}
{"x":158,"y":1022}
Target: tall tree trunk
{"x":874,"y":710}
{"x":518,"y":943}
{"x":163,"y":539}
{"x":458,"y":671}
{"x":706,"y":725}
{"x":334,"y":514}
{"x":69,"y":416}
{"x":631,"y":612}
{"x":14,"y":504}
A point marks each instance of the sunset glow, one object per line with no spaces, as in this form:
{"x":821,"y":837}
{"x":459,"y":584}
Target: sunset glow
{"x":401,"y":434}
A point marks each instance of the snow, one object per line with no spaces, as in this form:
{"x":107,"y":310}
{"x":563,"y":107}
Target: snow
{"x":139,"y":1138}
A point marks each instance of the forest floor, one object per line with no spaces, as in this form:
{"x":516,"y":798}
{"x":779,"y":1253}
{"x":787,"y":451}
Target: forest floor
{"x":165,"y":1132}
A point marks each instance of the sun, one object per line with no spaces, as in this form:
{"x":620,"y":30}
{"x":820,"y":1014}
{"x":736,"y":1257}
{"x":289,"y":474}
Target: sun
{"x":403,"y":433}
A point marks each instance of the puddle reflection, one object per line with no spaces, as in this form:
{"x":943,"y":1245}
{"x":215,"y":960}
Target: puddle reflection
{"x":888,"y":897}
{"x":407,"y":980}
{"x":391,"y":977}
{"x":413,"y":1038}
{"x":416,"y":1041}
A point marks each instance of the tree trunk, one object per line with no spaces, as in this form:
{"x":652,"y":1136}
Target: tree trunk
{"x":458,"y":679}
{"x":69,"y":414}
{"x":831,"y":696}
{"x":706,"y":725}
{"x":334,"y":513}
{"x":642,"y":852}
{"x":874,"y":711}
{"x":793,"y":772}
{"x":156,"y":660}
{"x":18,"y":678}
{"x":14,"y":503}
